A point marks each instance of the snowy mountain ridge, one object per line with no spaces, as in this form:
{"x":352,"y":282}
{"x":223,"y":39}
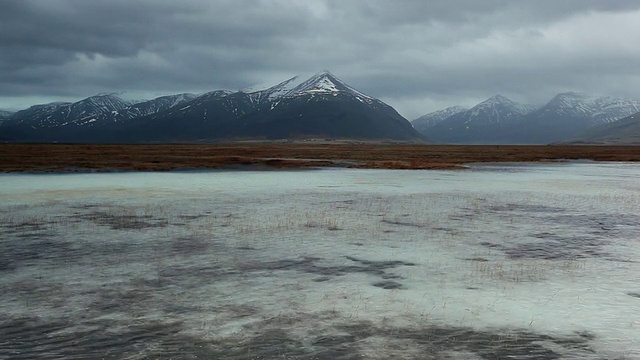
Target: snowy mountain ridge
{"x":152,"y":106}
{"x":498,"y":108}
{"x":322,"y":106}
{"x":600,"y":110}
{"x":431,"y":119}
{"x":92,"y":111}
{"x":500,"y":120}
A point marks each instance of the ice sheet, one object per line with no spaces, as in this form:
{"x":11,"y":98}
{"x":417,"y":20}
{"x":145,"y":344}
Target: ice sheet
{"x":520,"y":261}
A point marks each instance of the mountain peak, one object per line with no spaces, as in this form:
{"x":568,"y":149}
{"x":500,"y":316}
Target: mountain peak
{"x":322,"y":83}
{"x":325,"y":83}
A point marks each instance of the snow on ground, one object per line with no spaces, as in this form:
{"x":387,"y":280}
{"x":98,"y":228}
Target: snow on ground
{"x":498,"y":261}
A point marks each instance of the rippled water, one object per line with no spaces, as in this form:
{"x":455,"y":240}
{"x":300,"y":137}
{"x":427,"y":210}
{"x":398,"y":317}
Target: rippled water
{"x":498,"y":261}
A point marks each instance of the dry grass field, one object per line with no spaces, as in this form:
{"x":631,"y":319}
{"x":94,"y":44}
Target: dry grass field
{"x":76,"y":157}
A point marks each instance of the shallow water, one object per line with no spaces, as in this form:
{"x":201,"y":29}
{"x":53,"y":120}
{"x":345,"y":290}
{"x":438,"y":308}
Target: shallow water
{"x":498,"y":261}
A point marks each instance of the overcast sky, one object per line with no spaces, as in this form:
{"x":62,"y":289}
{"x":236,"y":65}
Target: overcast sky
{"x":418,"y":56}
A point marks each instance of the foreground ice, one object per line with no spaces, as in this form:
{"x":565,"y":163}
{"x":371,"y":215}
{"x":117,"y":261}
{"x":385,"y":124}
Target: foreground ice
{"x":499,"y":261}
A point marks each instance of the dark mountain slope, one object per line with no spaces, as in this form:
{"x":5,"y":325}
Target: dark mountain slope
{"x":323,"y":116}
{"x":622,"y":132}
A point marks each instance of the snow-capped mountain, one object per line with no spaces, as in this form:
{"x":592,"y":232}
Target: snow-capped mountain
{"x":321,"y":106}
{"x":320,"y":83}
{"x":598,"y":110}
{"x":568,"y":114}
{"x":482,"y":123}
{"x":84,"y":112}
{"x":327,"y":83}
{"x":83,"y":119}
{"x":499,"y":120}
{"x":426,"y":121}
{"x":495,"y":110}
{"x":98,"y":110}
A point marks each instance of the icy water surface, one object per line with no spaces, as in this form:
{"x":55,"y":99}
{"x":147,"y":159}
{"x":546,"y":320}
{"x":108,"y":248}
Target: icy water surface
{"x":495,"y":262}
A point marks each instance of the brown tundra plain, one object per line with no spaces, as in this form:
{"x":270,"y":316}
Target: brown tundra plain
{"x":162,"y":157}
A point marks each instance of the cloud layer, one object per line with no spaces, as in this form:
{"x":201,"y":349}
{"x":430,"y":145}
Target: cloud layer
{"x":416,"y":55}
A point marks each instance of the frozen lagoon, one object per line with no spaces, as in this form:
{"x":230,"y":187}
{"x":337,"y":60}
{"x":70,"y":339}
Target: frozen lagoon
{"x":536,"y":261}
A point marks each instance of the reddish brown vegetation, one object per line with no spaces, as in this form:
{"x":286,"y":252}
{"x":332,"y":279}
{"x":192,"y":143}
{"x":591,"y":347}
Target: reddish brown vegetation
{"x":59,"y":157}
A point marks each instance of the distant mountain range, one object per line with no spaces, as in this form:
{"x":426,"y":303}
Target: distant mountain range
{"x":499,"y":120}
{"x":318,"y":107}
{"x":321,"y":107}
{"x":99,"y":110}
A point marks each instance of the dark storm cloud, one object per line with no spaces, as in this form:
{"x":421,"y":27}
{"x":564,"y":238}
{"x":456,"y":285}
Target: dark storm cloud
{"x":416,"y":55}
